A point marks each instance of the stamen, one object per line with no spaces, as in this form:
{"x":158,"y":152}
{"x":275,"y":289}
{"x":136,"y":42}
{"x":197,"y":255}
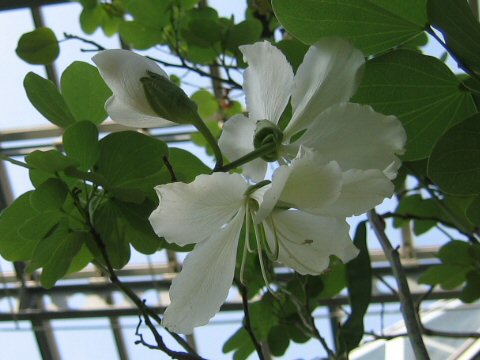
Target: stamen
{"x":260,"y":259}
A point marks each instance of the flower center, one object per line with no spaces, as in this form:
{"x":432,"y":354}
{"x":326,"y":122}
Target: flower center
{"x":267,"y":134}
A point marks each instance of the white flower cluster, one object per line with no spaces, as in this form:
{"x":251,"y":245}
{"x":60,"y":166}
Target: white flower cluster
{"x":335,"y":159}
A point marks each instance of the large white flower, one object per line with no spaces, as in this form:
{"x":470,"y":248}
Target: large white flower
{"x":122,"y":71}
{"x":353,"y":135}
{"x":301,"y":212}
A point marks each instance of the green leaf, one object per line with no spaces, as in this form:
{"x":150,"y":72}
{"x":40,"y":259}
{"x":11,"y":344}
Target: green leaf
{"x":112,"y":233}
{"x":372,"y":25}
{"x":129,"y":159}
{"x":186,"y":166}
{"x":80,"y":142}
{"x":246,"y":32}
{"x":51,"y":161}
{"x":91,"y":18}
{"x":140,"y":36}
{"x":206,"y":102}
{"x":139,"y":232}
{"x":473,"y":211}
{"x":45,"y":97}
{"x":448,"y":276}
{"x":293,"y":50}
{"x":61,"y":255}
{"x":14,"y":247}
{"x":454,"y":18}
{"x":201,"y":27}
{"x":50,"y":195}
{"x":422,"y":91}
{"x":455,"y":161}
{"x":85,"y":92}
{"x":359,"y":275}
{"x":334,"y":279}
{"x":38,"y":47}
{"x":241,"y":343}
{"x":456,"y":252}
{"x":416,"y":206}
{"x":471,"y":291}
{"x":152,"y":13}
{"x":82,"y":258}
{"x":40,"y":225}
{"x":277,"y":341}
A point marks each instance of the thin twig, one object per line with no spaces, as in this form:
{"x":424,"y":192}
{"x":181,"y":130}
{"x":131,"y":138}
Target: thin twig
{"x":408,"y":216}
{"x":247,"y":325}
{"x":313,"y":327}
{"x":169,"y":167}
{"x":407,"y":307}
{"x":144,"y":310}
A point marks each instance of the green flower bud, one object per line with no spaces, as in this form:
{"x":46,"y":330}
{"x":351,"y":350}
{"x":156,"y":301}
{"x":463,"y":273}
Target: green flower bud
{"x":267,"y":133}
{"x":168,"y":100}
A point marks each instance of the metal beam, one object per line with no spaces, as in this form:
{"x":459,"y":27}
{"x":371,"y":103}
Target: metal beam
{"x":19,"y":4}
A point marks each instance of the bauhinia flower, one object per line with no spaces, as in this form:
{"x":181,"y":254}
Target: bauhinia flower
{"x":144,"y":97}
{"x":122,"y":71}
{"x":353,"y":135}
{"x":298,"y":218}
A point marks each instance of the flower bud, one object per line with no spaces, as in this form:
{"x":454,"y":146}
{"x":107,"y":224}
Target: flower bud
{"x":267,"y":133}
{"x":168,"y":100}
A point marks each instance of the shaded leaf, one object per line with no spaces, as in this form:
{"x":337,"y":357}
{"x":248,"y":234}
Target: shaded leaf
{"x":85,"y":92}
{"x":39,"y":46}
{"x":45,"y":97}
{"x":51,"y":161}
{"x":80,"y":142}
{"x":359,"y":275}
{"x":422,"y":91}
{"x":14,"y":247}
{"x":454,"y":18}
{"x":372,"y":25}
{"x":50,"y":195}
{"x":455,"y":161}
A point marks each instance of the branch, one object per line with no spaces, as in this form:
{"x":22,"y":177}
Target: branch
{"x":169,"y":167}
{"x":142,"y":307}
{"x":183,"y":63}
{"x":408,"y":216}
{"x":247,"y":325}
{"x":407,"y":307}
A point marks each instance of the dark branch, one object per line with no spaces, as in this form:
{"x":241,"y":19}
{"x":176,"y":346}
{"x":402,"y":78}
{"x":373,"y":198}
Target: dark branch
{"x":247,"y":325}
{"x":407,"y":307}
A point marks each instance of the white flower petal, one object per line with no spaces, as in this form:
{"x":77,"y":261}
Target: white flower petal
{"x":122,"y":70}
{"x":329,"y":74}
{"x":190,"y":213}
{"x":202,"y":286}
{"x":308,"y":183}
{"x":268,"y":81}
{"x":362,"y":190}
{"x":236,"y":141}
{"x":306,"y":241}
{"x":357,"y":137}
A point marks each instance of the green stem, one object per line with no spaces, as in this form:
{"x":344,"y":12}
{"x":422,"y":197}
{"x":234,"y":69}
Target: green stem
{"x":205,"y":131}
{"x":261,"y":151}
{"x":15,"y":162}
{"x":460,"y":63}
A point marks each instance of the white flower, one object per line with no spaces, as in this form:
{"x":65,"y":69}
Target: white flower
{"x":122,"y":71}
{"x":353,"y":135}
{"x":302,"y":214}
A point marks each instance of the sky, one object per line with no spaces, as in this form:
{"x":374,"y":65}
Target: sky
{"x":75,"y":337}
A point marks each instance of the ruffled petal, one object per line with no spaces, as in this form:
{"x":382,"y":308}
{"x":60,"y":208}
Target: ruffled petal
{"x":202,"y":286}
{"x":357,"y":137}
{"x":308,"y":183}
{"x":191,"y":213}
{"x":362,"y":190}
{"x":236,"y":141}
{"x":122,"y":70}
{"x":306,"y":241}
{"x":268,"y":81}
{"x":329,"y":74}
